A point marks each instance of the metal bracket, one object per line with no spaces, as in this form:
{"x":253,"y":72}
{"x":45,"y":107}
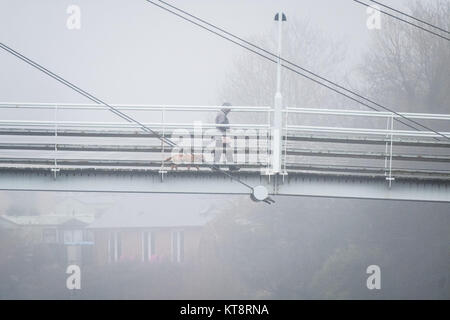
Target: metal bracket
{"x":260,"y":193}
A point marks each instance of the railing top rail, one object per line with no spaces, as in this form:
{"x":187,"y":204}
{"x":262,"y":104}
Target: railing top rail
{"x":125,"y":125}
{"x":61,"y":124}
{"x":363,"y":113}
{"x":159,"y":107}
{"x":384,"y":132}
{"x":133,"y":107}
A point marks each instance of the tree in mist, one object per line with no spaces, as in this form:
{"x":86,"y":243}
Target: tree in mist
{"x":312,"y":248}
{"x":304,"y":248}
{"x":340,"y":276}
{"x":407,"y":67}
{"x":252,"y":80}
{"x":275,"y":252}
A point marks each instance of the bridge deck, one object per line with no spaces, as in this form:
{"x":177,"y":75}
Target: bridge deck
{"x":318,"y":160}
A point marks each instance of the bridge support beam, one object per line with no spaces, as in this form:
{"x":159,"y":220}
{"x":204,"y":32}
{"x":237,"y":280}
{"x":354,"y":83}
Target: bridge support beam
{"x":213,"y":183}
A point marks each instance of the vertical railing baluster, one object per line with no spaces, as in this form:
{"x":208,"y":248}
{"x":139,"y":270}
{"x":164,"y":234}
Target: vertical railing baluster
{"x":388,"y":120}
{"x":55,"y":168}
{"x":162,"y":171}
{"x":390,"y":178}
{"x":284,"y":173}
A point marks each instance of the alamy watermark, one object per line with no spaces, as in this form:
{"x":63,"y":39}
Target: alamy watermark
{"x":212,"y":146}
{"x":373,"y":21}
{"x":374,"y":280}
{"x":74,"y":19}
{"x":73,"y":282}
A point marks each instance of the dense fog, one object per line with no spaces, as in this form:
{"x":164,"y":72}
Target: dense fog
{"x":218,"y":246}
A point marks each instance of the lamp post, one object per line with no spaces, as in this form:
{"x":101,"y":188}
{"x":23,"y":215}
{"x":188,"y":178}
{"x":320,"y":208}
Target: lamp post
{"x":278,"y":103}
{"x":260,"y":193}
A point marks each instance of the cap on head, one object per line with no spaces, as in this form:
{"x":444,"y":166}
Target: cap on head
{"x":226,"y":109}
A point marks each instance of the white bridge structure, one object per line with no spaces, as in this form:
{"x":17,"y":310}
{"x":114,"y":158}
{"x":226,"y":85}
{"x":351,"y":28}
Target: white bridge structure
{"x":304,"y":152}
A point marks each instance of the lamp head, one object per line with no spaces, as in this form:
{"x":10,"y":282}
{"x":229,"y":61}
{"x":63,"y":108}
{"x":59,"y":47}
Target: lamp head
{"x":283,"y":17}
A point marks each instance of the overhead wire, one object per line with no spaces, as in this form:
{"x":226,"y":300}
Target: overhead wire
{"x":402,"y":20}
{"x":291,"y":64}
{"x":111,"y":108}
{"x":410,"y":16}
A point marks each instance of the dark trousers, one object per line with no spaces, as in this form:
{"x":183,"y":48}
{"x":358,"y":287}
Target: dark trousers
{"x":223,"y":147}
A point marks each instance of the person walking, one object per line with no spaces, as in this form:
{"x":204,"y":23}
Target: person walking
{"x":222,"y":141}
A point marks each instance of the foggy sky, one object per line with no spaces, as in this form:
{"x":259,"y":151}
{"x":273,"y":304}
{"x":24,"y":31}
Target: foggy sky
{"x":134,"y":52}
{"x":131,"y":52}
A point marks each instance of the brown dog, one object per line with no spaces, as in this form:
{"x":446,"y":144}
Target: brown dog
{"x":189,"y":159}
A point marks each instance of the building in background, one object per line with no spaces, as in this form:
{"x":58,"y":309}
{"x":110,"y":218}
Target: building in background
{"x":89,"y":231}
{"x":171,"y":232}
{"x":65,"y":236}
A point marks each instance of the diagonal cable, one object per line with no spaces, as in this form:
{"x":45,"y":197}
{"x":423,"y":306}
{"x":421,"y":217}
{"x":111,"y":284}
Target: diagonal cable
{"x":111,"y":108}
{"x":295,"y":65}
{"x":410,"y":16}
{"x":284,"y":60}
{"x":402,"y":20}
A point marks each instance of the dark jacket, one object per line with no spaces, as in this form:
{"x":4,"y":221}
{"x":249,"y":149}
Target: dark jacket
{"x":222,"y":118}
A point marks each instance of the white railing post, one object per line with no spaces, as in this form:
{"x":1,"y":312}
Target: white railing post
{"x":55,"y":168}
{"x":390,"y":178}
{"x":286,"y":130}
{"x":162,"y":170}
{"x":386,"y":148}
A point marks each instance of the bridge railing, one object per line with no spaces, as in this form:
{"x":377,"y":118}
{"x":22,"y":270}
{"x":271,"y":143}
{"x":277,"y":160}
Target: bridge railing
{"x":370,"y":142}
{"x":313,"y":140}
{"x":168,"y":121}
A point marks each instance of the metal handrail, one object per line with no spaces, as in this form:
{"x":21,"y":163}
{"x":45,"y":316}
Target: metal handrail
{"x":238,"y":129}
{"x":362,"y":113}
{"x":145,"y":107}
{"x":382,"y":132}
{"x":131,"y":107}
{"x":32,"y":123}
{"x":62,"y":124}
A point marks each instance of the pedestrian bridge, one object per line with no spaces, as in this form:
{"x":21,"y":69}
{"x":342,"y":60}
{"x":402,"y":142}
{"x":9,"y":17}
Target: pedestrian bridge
{"x":319,"y":152}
